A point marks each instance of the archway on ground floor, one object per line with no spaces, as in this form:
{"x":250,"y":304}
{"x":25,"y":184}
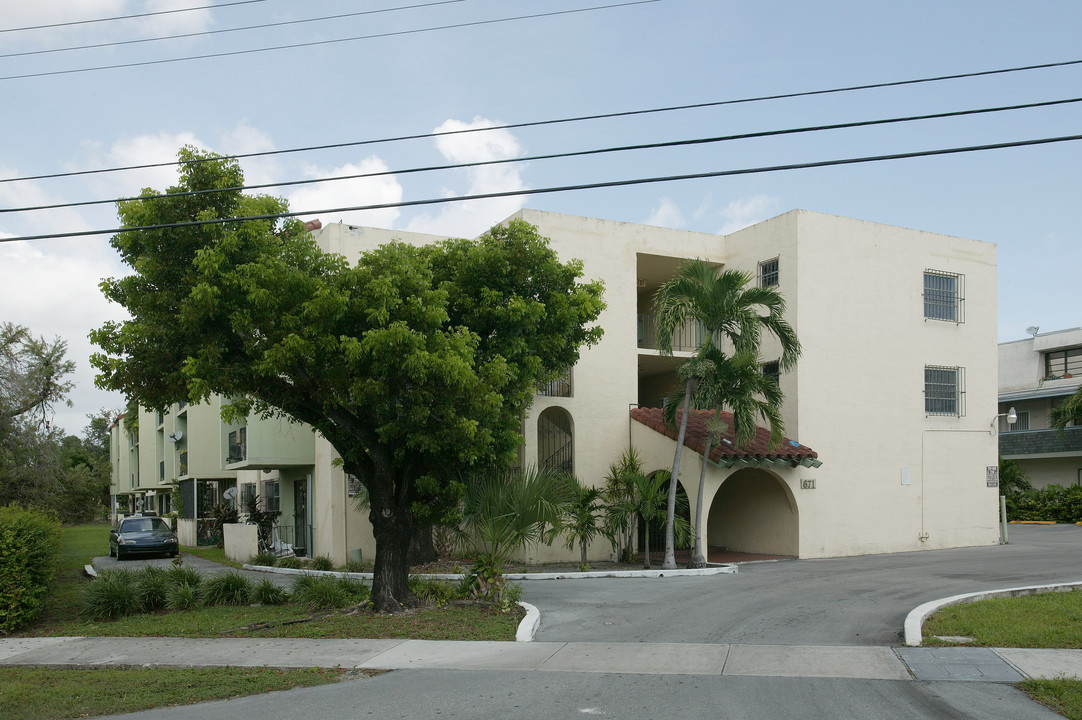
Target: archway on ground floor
{"x":657,"y":527}
{"x":754,"y":511}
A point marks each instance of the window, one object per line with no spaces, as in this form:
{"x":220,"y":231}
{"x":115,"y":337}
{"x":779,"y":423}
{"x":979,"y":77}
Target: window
{"x":944,"y":390}
{"x":560,"y":387}
{"x":247,"y":494}
{"x":1063,"y":363}
{"x":272,"y":501}
{"x":1022,"y":423}
{"x":768,"y":273}
{"x":772,"y":370}
{"x":943,"y":296}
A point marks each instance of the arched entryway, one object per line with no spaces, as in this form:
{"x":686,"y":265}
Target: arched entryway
{"x":657,"y":528}
{"x":556,"y":440}
{"x":754,"y":512}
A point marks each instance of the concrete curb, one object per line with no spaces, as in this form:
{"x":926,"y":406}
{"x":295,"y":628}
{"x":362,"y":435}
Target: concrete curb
{"x":684,"y":572}
{"x":914,"y":621}
{"x":527,"y":628}
{"x":90,"y":571}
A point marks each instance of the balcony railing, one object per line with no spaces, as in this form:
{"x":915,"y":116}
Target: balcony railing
{"x":238,"y":445}
{"x":1036,"y":442}
{"x":560,"y":387}
{"x":688,"y":337}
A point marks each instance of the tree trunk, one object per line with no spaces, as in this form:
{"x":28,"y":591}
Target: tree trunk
{"x":698,"y":559}
{"x":670,"y":541}
{"x":582,"y":546}
{"x":646,"y":547}
{"x":393,"y":530}
{"x":422,"y":548}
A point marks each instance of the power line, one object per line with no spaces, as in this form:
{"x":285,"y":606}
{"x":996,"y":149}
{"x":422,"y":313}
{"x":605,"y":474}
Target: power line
{"x":562,"y":155}
{"x":315,"y":43}
{"x":579,"y":118}
{"x":128,"y":17}
{"x":564,"y":188}
{"x":119,"y":43}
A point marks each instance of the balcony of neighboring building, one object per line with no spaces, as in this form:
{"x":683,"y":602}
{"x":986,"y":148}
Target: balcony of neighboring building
{"x":1046,"y":442}
{"x":263,"y":444}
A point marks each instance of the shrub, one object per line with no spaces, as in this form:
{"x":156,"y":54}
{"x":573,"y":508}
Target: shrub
{"x":229,"y":588}
{"x":326,"y":593}
{"x":436,"y":592}
{"x":322,"y":563}
{"x":114,"y":594}
{"x":152,"y":584}
{"x":265,"y":592}
{"x":30,"y":544}
{"x":266,"y":559}
{"x":182,"y":597}
{"x":1059,"y":504}
{"x":355,"y":566}
{"x":180,"y":575}
{"x":289,"y":561}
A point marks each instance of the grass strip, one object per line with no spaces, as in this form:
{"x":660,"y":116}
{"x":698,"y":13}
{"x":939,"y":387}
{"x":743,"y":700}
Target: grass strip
{"x":1047,"y":620}
{"x":1062,"y":695}
{"x":48,"y":694}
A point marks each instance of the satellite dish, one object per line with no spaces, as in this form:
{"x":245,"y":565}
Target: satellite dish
{"x":176,"y":436}
{"x":1032,"y":330}
{"x":230,"y":494}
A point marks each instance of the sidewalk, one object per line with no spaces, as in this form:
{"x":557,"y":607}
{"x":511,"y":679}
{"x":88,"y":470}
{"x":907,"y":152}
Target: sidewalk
{"x":874,"y":663}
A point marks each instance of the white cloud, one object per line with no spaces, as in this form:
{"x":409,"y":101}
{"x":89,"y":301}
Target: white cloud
{"x":31,"y":193}
{"x":472,"y":217}
{"x":50,"y":12}
{"x":132,"y":151}
{"x":666,"y":214}
{"x":245,"y":138}
{"x":350,"y":193}
{"x":741,"y":213}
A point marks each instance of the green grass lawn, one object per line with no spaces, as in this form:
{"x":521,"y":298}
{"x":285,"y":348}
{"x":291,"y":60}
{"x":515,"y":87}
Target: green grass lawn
{"x":62,"y":693}
{"x":48,"y":694}
{"x":1048,"y":620}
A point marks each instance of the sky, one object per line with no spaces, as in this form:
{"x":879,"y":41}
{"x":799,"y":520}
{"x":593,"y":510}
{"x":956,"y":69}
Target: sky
{"x":416,"y":67}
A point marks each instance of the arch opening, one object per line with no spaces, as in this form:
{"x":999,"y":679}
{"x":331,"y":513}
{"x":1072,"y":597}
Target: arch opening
{"x":754,"y":512}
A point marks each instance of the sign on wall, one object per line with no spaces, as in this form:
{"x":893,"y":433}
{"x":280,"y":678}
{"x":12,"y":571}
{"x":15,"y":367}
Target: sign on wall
{"x":991,"y":475}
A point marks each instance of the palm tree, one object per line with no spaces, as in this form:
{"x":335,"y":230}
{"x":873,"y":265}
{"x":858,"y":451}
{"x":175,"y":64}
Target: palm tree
{"x":634,"y":496}
{"x":736,"y":383}
{"x":731,"y":314}
{"x":582,"y":522}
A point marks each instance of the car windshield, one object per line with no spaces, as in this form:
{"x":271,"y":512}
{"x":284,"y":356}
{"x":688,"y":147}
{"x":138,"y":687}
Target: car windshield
{"x":144,"y":525}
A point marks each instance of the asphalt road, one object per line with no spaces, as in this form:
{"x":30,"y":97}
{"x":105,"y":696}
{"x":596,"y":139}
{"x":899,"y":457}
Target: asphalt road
{"x":844,"y":601}
{"x":841,"y":601}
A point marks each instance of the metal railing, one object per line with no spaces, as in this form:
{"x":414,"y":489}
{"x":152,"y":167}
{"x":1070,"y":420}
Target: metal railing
{"x":560,"y":387}
{"x":687,"y":337}
{"x":238,"y":445}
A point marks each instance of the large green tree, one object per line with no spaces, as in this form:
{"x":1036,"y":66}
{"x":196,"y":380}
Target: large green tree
{"x":416,"y":363}
{"x":732,"y":314}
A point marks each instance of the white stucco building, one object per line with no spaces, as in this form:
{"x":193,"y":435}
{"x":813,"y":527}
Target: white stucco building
{"x":889,"y":409}
{"x":1035,"y":375}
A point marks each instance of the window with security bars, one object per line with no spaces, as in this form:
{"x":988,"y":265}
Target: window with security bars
{"x":1063,"y":363}
{"x":768,"y":273}
{"x":772,"y":370}
{"x":943,"y":296}
{"x":1021,"y":422}
{"x":944,"y":390}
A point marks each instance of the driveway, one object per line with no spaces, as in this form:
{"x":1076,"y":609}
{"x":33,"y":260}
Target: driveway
{"x":205,"y":567}
{"x":840,"y":601}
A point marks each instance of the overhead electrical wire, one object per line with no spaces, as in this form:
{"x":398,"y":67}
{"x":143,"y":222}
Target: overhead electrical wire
{"x":562,"y":188}
{"x":315,"y":43}
{"x":118,"y":43}
{"x":552,"y":156}
{"x":128,"y":17}
{"x":557,"y":121}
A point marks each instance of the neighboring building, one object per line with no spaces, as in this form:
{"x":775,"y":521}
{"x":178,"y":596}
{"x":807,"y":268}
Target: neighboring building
{"x":891,"y":401}
{"x":1035,"y":375}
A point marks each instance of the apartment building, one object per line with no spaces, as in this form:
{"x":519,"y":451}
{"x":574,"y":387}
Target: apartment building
{"x":889,"y":413}
{"x":1035,"y":375}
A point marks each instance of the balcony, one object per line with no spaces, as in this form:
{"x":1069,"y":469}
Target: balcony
{"x":238,"y":446}
{"x":1041,"y":442}
{"x":686,"y":338}
{"x":560,"y":387}
{"x":184,"y":462}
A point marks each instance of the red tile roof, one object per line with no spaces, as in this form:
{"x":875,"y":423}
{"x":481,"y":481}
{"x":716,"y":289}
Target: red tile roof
{"x":725,"y":451}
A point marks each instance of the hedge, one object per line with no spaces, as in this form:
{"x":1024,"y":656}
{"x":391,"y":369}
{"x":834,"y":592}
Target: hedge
{"x":1056,"y":503}
{"x":30,"y":543}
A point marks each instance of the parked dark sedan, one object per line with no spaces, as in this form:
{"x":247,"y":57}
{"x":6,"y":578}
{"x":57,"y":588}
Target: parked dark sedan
{"x":142,"y":536}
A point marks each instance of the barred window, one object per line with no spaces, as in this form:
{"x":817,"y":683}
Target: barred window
{"x":772,"y":370}
{"x":768,"y":273}
{"x":272,"y":501}
{"x":944,"y":390}
{"x":561,"y":386}
{"x":943,"y":296}
{"x":1021,"y":423}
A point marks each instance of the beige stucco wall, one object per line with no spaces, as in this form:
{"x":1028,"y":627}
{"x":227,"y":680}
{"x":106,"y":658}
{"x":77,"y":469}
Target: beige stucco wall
{"x":241,"y":542}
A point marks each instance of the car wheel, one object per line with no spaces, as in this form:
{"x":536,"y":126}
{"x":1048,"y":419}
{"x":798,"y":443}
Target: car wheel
{"x":112,"y":553}
{"x":119,"y":557}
